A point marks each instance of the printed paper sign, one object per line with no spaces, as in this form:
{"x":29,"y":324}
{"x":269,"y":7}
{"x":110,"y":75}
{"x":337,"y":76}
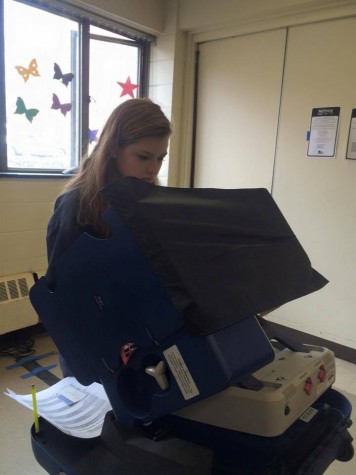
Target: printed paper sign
{"x":181,"y":372}
{"x":323,"y":132}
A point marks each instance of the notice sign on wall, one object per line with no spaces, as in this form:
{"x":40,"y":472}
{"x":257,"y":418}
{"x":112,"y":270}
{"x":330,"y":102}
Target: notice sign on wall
{"x":351,"y":144}
{"x":323,"y":132}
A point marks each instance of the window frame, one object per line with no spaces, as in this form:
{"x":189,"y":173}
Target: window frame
{"x":85,"y":19}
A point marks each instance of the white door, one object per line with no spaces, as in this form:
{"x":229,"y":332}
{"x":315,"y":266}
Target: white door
{"x":239,"y":92}
{"x":251,"y":134}
{"x":318,"y":195}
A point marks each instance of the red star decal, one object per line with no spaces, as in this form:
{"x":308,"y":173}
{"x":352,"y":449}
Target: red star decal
{"x":127,"y":87}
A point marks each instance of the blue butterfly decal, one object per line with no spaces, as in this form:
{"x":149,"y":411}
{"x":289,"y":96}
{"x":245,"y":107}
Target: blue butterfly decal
{"x":65,"y":78}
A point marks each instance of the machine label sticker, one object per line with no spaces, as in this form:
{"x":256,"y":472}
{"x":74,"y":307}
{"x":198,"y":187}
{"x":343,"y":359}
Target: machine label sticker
{"x":308,"y":415}
{"x":181,"y":372}
{"x":70,"y":395}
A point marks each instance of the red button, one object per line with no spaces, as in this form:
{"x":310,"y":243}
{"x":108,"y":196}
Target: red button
{"x":308,"y":386}
{"x":322,"y":374}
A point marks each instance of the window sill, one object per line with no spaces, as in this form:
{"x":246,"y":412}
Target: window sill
{"x":20,"y":174}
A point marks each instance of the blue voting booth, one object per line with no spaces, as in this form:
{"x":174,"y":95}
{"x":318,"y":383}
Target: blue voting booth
{"x":164,"y":312}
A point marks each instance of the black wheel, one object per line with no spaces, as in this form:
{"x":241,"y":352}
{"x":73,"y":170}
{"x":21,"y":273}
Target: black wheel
{"x":346,"y":453}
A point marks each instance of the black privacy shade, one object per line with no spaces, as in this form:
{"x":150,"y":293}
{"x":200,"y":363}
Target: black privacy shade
{"x":222,"y":255}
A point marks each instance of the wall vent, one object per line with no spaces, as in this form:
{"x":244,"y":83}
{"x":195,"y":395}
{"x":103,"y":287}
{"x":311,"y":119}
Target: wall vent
{"x":15,"y":287}
{"x":16,"y":310}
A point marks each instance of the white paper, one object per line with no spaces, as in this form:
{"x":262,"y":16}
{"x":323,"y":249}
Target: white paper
{"x":351,"y":146}
{"x":323,"y":136}
{"x":83,"y":418}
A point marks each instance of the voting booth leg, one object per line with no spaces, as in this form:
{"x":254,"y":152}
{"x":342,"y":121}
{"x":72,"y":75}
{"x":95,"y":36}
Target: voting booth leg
{"x":308,"y":447}
{"x":192,"y":448}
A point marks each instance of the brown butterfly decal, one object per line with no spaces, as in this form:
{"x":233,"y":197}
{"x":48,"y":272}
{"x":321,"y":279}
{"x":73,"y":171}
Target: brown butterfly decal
{"x":31,"y":70}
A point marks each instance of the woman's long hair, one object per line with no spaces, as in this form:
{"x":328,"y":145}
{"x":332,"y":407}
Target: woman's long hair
{"x":129,"y":122}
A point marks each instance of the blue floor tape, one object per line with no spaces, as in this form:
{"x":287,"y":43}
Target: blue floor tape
{"x":37,"y":370}
{"x":30,"y":358}
{"x":45,"y":376}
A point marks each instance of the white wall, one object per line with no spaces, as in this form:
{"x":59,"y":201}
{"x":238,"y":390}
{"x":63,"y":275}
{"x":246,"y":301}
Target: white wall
{"x":25,"y":207}
{"x":221,"y":15}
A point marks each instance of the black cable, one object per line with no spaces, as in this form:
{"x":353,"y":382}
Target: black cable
{"x":16,"y":346}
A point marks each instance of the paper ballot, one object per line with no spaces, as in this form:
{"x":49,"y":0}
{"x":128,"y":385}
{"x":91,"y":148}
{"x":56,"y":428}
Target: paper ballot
{"x":74,"y":409}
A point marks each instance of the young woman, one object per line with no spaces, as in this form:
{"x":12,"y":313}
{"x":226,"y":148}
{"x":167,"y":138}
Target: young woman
{"x":133,"y":142}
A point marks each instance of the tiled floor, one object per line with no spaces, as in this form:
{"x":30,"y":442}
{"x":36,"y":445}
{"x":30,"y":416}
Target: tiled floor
{"x":16,"y":456}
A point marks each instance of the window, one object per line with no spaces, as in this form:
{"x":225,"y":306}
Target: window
{"x":62,"y":72}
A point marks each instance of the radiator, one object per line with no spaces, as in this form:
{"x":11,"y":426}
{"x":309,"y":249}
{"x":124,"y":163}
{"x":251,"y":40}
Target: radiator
{"x":16,"y":310}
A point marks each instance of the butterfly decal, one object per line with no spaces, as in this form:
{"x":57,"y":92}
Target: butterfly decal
{"x":21,"y":109}
{"x":64,"y":108}
{"x":31,"y":70}
{"x":92,"y":135}
{"x":65,"y":78}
